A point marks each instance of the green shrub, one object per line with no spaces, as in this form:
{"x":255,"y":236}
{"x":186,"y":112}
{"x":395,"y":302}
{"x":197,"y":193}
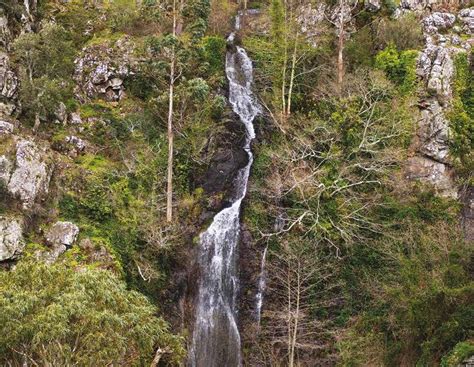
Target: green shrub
{"x":400,"y":67}
{"x":458,"y":354}
{"x":55,"y":315}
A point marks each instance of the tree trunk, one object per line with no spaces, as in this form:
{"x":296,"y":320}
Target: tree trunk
{"x":169,"y":192}
{"x":292,"y":76}
{"x":340,"y":48}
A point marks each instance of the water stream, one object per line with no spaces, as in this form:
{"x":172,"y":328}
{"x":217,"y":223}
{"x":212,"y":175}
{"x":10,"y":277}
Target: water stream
{"x":216,"y":338}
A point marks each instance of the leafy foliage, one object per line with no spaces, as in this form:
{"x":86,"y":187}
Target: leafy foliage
{"x":53,"y":314}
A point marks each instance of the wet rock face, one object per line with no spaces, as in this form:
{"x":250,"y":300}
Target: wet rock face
{"x":31,"y":174}
{"x":225,"y":156}
{"x":101,"y":69}
{"x":11,"y":239}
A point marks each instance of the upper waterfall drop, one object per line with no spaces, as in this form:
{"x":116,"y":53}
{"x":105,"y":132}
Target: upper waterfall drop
{"x":216,"y":338}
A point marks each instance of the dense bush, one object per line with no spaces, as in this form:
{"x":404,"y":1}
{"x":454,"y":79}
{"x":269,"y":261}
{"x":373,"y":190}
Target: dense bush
{"x":462,"y":115}
{"x":56,"y":315}
{"x":400,"y":67}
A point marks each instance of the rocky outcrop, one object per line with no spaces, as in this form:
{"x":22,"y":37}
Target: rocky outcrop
{"x":8,"y":86}
{"x":311,"y":20}
{"x":5,"y":34}
{"x":438,"y":21}
{"x":11,"y":239}
{"x":6,"y":127}
{"x":466,"y":16}
{"x":467,"y":213}
{"x":29,"y":175}
{"x":432,"y":163}
{"x":101,"y":70}
{"x":372,"y":5}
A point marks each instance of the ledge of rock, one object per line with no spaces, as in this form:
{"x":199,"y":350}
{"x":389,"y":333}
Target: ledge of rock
{"x":11,"y":239}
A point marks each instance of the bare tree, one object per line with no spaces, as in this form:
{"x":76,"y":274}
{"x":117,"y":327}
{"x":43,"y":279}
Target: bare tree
{"x":341,"y":19}
{"x":298,"y":284}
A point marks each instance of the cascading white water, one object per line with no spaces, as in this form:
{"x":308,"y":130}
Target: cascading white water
{"x":216,"y":338}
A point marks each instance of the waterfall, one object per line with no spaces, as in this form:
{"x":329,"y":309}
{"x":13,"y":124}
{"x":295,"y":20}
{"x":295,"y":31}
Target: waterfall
{"x":216,"y":338}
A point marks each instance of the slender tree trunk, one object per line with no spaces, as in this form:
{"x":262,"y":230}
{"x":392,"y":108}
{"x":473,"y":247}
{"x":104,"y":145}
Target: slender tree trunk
{"x":169,"y":192}
{"x":296,"y":317}
{"x":290,"y":316}
{"x":340,"y":48}
{"x":285,"y":65}
{"x":292,"y":76}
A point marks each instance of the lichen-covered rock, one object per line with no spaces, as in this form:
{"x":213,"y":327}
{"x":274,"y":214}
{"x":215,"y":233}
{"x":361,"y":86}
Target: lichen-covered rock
{"x":466,"y":16}
{"x":101,"y":69}
{"x":433,"y":132}
{"x":417,"y":4}
{"x":6,"y":167}
{"x":5,"y":34}
{"x":435,"y":67}
{"x":62,"y":233}
{"x":438,"y":21}
{"x":31,"y":175}
{"x":437,"y":174}
{"x":11,"y":238}
{"x":372,"y":5}
{"x":61,"y":114}
{"x":8,"y":86}
{"x":60,"y":236}
{"x":6,"y":127}
{"x":75,"y":118}
{"x":311,"y":20}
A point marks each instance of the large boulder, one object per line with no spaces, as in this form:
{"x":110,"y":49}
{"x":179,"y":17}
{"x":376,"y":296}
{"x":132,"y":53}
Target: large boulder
{"x":101,"y":70}
{"x":11,"y":239}
{"x":60,"y":236}
{"x":31,"y":174}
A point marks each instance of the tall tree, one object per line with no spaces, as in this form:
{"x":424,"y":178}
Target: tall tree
{"x":172,"y":76}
